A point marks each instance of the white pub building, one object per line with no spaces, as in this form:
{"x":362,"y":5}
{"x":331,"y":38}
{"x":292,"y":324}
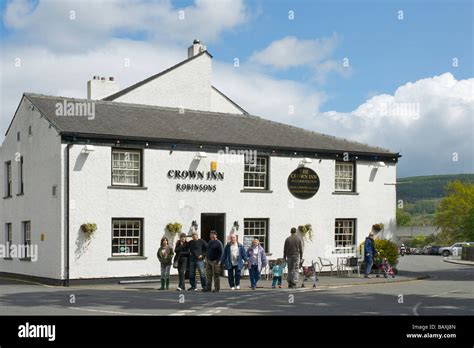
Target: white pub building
{"x":173,"y":148}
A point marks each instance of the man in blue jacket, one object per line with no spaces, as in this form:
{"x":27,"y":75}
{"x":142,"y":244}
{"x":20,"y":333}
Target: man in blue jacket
{"x":369,"y":253}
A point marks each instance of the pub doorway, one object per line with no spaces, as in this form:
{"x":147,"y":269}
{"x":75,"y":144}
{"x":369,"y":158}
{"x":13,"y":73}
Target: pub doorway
{"x":213,"y":221}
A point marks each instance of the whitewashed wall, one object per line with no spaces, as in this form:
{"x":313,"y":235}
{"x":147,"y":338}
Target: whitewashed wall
{"x":221,"y":104}
{"x":187,"y":86}
{"x":42,"y":160}
{"x":92,"y":201}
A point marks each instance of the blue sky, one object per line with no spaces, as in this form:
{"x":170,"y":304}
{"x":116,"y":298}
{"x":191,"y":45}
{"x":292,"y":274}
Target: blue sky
{"x":413,"y":56}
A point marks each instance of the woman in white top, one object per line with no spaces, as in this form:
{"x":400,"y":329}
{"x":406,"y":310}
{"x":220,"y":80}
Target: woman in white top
{"x":233,"y":260}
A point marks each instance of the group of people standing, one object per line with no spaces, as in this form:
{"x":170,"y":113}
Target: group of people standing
{"x":191,"y":255}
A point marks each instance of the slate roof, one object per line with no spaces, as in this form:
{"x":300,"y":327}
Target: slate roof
{"x":154,"y":123}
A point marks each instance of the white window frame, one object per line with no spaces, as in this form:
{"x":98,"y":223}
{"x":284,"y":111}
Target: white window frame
{"x":340,"y":228}
{"x":125,"y":234}
{"x":125,"y":165}
{"x":252,"y":229}
{"x":344,"y":177}
{"x":254,"y":174}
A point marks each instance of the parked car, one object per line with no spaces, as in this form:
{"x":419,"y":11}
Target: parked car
{"x":415,"y":251}
{"x":426,"y":250}
{"x":434,"y":250}
{"x":456,"y":248}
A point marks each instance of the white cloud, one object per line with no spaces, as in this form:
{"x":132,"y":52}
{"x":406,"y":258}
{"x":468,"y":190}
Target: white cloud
{"x":429,"y":121}
{"x":291,"y":52}
{"x":85,"y":25}
{"x":261,"y":94}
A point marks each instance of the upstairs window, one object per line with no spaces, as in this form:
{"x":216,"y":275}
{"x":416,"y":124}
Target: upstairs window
{"x":126,"y":167}
{"x":256,"y":173}
{"x":344,"y":177}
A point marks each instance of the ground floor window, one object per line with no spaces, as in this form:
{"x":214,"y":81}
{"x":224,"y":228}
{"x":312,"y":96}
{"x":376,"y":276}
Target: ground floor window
{"x":344,"y":233}
{"x":26,"y":237}
{"x":257,"y":228}
{"x":127,"y":237}
{"x":8,"y":239}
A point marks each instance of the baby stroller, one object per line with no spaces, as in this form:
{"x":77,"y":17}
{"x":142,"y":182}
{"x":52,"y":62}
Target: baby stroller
{"x":386,"y":269}
{"x":309,"y":273}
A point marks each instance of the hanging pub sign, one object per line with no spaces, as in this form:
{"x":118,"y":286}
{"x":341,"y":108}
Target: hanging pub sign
{"x":303,"y":183}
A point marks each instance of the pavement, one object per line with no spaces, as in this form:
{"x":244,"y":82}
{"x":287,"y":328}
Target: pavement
{"x":425,"y":286}
{"x":459,"y":262}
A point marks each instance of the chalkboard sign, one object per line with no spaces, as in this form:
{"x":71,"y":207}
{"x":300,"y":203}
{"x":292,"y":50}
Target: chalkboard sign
{"x":303,"y":183}
{"x":247,"y":243}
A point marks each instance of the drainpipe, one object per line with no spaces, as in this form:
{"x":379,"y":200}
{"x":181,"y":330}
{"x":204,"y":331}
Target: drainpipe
{"x":66,"y":282}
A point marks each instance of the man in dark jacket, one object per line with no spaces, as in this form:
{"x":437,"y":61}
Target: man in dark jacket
{"x":293,"y":253}
{"x":369,"y":253}
{"x":197,"y":249}
{"x":215,"y":250}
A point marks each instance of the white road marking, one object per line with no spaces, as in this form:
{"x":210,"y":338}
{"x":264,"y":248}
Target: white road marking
{"x":183,"y":312}
{"x":445,"y":293}
{"x":110,"y":312}
{"x":415,"y":309}
{"x":216,"y":310}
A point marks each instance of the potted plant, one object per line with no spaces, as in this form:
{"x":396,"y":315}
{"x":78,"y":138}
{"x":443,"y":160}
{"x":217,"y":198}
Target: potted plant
{"x":88,"y":229}
{"x":306,"y":231}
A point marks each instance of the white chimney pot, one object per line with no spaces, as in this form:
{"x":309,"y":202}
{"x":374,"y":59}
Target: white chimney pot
{"x":101,"y":87}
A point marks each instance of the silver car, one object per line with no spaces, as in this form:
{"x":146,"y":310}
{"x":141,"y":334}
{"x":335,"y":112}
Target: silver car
{"x":454,"y":249}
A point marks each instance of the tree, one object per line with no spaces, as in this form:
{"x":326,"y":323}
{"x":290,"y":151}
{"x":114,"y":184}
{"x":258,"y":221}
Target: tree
{"x":454,"y":215}
{"x":403,"y":218}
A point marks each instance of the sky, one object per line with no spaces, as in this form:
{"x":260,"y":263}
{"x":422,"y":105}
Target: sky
{"x":394,"y":74}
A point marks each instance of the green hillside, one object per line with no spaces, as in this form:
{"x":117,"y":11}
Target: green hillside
{"x":421,"y":195}
{"x":416,"y":188}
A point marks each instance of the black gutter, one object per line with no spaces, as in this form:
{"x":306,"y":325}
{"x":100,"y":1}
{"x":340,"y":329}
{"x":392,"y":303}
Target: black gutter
{"x":66,"y":282}
{"x":190,"y":145}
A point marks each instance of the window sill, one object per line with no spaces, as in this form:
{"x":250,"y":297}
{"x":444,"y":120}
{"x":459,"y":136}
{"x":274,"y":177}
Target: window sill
{"x":124,"y":187}
{"x":20,"y":194}
{"x":345,"y":193}
{"x":8,"y":258}
{"x":256,"y":191}
{"x":126,"y":258}
{"x":26,"y":259}
{"x":6,"y":197}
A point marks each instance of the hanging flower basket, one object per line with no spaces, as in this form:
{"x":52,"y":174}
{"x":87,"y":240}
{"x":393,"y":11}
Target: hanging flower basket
{"x":174,"y":228}
{"x":377,"y":227}
{"x":306,"y":231}
{"x":88,"y":229}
